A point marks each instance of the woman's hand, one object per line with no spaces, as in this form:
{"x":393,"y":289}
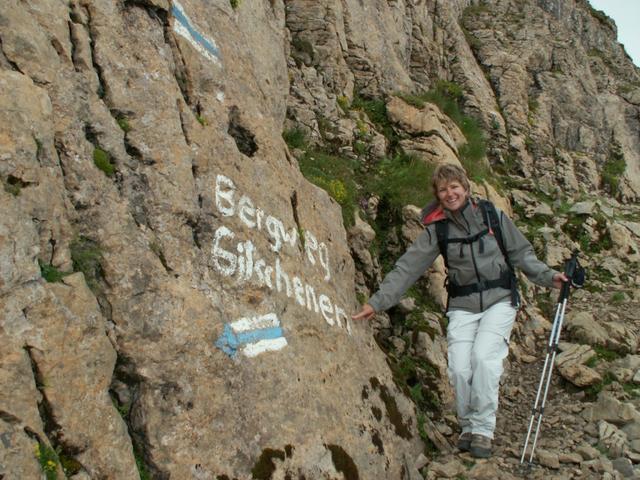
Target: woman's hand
{"x":365,"y":313}
{"x":559,"y":279}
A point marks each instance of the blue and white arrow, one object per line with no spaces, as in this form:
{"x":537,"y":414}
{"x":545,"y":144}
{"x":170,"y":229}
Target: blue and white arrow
{"x":201,"y":42}
{"x":252,"y":336}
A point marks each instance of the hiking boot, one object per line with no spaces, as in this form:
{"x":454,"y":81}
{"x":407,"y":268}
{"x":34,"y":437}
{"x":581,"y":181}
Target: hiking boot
{"x":480,"y":446}
{"x":464,"y":441}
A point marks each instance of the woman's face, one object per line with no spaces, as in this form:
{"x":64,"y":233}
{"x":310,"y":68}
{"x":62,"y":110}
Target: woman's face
{"x":452,"y":195}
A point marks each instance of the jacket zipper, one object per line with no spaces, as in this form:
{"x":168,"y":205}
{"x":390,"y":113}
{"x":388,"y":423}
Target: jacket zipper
{"x":475,"y":267}
{"x":473,"y":259}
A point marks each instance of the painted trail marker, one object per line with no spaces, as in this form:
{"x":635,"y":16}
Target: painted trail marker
{"x":252,"y":336}
{"x":202,"y":43}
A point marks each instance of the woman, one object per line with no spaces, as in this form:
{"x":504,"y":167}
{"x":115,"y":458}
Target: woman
{"x":481,"y":307}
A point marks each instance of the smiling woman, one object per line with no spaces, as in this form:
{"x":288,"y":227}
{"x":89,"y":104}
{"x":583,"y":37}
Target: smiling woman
{"x":451,"y":188}
{"x":480,"y":246}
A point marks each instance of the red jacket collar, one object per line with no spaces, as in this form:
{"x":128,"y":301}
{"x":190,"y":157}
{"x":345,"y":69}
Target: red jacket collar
{"x":434,"y":212}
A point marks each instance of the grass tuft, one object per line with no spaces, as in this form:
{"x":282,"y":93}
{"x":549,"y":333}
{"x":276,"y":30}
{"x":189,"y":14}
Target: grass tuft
{"x":50,"y":273}
{"x":613,"y":168}
{"x":123,"y":123}
{"x":295,"y":138}
{"x":376,"y":110}
{"x":402,"y":180}
{"x":334,"y":174}
{"x":48,"y":460}
{"x":448,"y":96}
{"x":86,"y":256}
{"x":102,"y":160}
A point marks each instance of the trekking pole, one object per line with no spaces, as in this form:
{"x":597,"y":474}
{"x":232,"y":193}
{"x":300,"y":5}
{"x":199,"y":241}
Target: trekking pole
{"x":575,"y":274}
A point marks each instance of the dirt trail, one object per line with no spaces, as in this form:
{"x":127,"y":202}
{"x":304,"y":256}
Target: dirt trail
{"x":568,"y":445}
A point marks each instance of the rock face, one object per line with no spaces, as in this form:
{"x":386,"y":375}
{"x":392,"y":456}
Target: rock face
{"x":144,"y":150}
{"x":565,"y":86}
{"x":176,"y":296}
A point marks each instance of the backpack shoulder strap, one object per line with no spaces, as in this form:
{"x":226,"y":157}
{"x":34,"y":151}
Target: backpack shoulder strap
{"x":492,"y":221}
{"x":442,"y":232}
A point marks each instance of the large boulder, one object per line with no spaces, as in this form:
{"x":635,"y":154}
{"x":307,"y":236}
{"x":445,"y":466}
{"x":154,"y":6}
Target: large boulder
{"x":209,"y":329}
{"x":571,"y":365}
{"x":614,"y":335}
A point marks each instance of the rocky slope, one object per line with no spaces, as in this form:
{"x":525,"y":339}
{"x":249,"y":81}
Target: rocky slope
{"x":177,"y":280}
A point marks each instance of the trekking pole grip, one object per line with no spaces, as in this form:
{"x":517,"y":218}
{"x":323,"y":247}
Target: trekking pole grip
{"x":569,"y":271}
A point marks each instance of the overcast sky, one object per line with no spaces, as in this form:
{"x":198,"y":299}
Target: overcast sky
{"x":626,"y":14}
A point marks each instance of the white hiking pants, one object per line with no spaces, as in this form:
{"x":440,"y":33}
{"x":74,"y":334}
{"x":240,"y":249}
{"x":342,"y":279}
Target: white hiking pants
{"x":477,"y":345}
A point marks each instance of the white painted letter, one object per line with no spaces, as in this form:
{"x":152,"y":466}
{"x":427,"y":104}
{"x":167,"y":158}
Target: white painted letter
{"x":249,"y":249}
{"x":323,"y":255}
{"x":310,"y":243}
{"x":281,"y":275}
{"x":240,"y":248}
{"x":246,"y":211}
{"x":340,"y":313}
{"x":311,"y":295}
{"x":218,"y":253}
{"x":259,"y":217}
{"x":291,"y":238}
{"x":222,"y":181}
{"x":326,"y":308}
{"x":258,"y":266}
{"x":268,"y":275}
{"x":273,"y":227}
{"x":298,"y":290}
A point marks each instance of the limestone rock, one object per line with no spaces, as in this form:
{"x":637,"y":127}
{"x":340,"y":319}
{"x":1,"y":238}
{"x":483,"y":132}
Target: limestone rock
{"x":421,"y":461}
{"x":632,"y":431}
{"x":439,"y":440}
{"x":583,"y":208}
{"x":436,"y":277}
{"x":489,"y":471}
{"x":624,"y":467}
{"x":612,"y":438}
{"x":435,"y":352}
{"x":144,"y":173}
{"x":583,"y":327}
{"x":412,"y":223}
{"x":625,"y":245}
{"x":622,"y":338}
{"x":587,"y":452}
{"x":72,"y":361}
{"x":433,"y":136}
{"x":425,"y":122}
{"x":361,"y":235}
{"x":548,"y":459}
{"x":622,"y":375}
{"x":574,"y":458}
{"x":447,"y":470}
{"x":141,"y":146}
{"x":432,"y":149}
{"x":407,"y":305}
{"x":570,"y":364}
{"x":611,"y":410}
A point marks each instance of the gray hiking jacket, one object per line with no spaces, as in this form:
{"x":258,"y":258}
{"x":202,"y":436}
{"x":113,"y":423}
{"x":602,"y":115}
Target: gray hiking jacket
{"x":467,"y":265}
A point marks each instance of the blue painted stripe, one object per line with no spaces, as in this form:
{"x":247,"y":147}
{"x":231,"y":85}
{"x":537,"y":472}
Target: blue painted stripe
{"x":262,"y":334}
{"x":197,"y":36}
{"x":229,"y":341}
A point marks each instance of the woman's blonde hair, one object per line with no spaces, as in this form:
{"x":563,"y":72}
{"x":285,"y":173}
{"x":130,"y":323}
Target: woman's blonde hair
{"x":449,"y":172}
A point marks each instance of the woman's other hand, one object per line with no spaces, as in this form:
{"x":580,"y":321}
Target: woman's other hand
{"x":365,"y":313}
{"x":559,"y":279}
